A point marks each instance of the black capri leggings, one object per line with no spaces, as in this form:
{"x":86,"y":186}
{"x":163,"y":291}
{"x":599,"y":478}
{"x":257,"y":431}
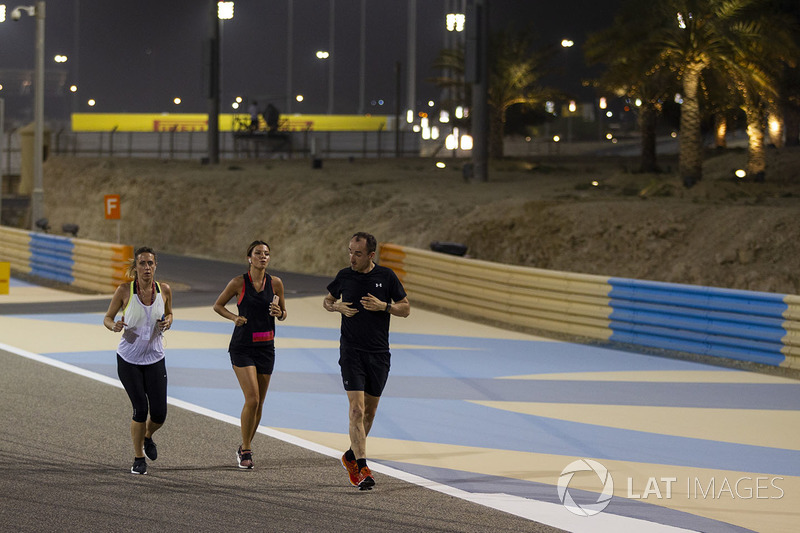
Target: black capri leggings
{"x":145,"y":384}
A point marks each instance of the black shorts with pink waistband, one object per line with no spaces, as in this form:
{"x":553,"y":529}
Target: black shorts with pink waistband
{"x":261,"y":357}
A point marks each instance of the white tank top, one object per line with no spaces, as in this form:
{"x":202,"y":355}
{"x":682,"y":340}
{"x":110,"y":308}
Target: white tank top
{"x":141,"y":339}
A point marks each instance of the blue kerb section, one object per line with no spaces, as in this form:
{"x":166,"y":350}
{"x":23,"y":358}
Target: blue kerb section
{"x":707,"y":298}
{"x":722,"y":323}
{"x":51,"y":257}
{"x":742,"y":325}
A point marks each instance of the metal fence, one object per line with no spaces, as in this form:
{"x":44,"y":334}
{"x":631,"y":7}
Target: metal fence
{"x":194,"y":145}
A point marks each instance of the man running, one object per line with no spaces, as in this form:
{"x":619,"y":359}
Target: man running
{"x":366,"y":295}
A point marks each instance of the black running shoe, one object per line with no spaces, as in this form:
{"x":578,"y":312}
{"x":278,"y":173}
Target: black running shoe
{"x":150,"y":449}
{"x":244,"y":458}
{"x":139,"y":466}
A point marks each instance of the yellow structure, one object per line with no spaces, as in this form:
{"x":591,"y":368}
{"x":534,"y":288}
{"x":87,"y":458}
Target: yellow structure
{"x":5,"y":277}
{"x":183,"y":122}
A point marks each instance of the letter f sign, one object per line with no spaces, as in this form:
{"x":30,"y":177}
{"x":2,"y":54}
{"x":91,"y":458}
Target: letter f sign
{"x":112,"y":208}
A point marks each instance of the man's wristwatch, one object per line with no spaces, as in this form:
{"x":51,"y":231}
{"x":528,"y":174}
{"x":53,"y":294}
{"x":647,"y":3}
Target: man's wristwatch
{"x":388,"y":307}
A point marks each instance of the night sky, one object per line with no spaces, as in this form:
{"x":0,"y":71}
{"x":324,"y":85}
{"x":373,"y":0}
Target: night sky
{"x":137,"y":56}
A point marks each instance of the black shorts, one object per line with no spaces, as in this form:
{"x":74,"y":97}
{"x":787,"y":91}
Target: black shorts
{"x":364,"y":371}
{"x":261,"y":357}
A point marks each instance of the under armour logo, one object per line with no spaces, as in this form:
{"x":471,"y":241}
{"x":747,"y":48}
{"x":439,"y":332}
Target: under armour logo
{"x":379,"y":284}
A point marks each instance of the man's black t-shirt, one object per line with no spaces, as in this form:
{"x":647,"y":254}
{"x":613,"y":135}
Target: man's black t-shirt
{"x":366,"y":330}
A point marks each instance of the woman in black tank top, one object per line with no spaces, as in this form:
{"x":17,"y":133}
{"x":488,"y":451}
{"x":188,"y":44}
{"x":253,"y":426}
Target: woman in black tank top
{"x":259,"y":300}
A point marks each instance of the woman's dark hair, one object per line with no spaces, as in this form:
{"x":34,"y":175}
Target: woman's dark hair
{"x":254,"y":244}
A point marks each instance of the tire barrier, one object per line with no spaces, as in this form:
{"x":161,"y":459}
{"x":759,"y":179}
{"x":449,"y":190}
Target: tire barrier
{"x":91,"y":265}
{"x":734,"y":324}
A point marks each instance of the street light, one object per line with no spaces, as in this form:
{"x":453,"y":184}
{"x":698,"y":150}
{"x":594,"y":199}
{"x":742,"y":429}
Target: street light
{"x":37,"y":195}
{"x":455,"y":22}
{"x":225,"y":10}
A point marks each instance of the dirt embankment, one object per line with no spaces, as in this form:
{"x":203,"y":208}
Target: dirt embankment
{"x":544,"y":213}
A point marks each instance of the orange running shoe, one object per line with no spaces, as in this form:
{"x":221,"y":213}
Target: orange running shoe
{"x":352,"y":470}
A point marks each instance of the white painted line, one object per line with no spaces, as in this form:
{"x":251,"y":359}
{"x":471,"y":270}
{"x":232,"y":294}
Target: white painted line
{"x":550,"y":514}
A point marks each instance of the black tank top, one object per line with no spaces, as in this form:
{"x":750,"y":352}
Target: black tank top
{"x":254,"y":306}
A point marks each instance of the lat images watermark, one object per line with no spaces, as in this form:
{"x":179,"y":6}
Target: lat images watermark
{"x":711,"y":488}
{"x":661,"y":488}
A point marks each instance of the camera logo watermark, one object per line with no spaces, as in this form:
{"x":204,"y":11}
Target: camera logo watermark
{"x":585,"y":509}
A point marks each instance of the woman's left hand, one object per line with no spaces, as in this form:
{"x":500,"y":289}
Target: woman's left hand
{"x":275,"y":307}
{"x":165,"y":323}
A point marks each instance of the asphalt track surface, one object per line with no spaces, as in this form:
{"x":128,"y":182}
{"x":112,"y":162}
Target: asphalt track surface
{"x":475,"y":427}
{"x":63,"y":437}
{"x":60,"y":470}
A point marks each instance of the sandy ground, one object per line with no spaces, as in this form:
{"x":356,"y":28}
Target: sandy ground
{"x":542,"y":212}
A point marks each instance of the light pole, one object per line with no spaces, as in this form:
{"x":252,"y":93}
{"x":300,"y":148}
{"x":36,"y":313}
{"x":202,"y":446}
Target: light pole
{"x":37,"y":195}
{"x":566,"y":44}
{"x":411,"y":58}
{"x":476,"y":71}
{"x":2,"y":137}
{"x":289,"y":51}
{"x":213,"y":81}
{"x":332,"y":52}
{"x":324,"y":55}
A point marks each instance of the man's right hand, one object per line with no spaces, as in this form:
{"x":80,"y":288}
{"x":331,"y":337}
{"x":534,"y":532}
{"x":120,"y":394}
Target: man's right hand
{"x":344,"y":308}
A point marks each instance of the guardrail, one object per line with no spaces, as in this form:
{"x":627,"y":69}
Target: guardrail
{"x":91,"y":265}
{"x":743,"y":325}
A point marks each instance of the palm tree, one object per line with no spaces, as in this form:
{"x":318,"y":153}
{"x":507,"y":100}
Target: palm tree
{"x":633,"y":70}
{"x":515,"y":72}
{"x":757,"y":73}
{"x":787,"y":105}
{"x":452,"y":81}
{"x":727,"y":35}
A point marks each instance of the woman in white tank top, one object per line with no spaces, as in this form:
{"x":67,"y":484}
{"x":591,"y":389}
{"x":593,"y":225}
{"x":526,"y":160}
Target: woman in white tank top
{"x":146,"y":307}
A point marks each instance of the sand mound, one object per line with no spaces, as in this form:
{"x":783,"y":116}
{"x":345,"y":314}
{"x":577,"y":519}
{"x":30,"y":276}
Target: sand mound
{"x":541,"y":212}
